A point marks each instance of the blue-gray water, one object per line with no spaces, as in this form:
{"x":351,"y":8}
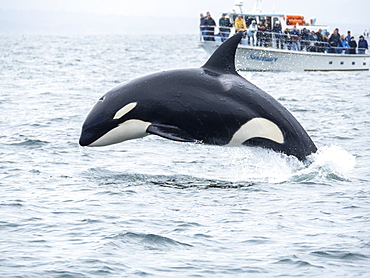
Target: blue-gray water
{"x":157,"y":208}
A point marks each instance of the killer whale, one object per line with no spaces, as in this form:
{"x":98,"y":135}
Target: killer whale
{"x":212,"y":104}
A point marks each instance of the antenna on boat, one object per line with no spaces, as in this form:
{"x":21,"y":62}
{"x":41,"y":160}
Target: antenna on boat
{"x":257,"y":7}
{"x":239,"y":4}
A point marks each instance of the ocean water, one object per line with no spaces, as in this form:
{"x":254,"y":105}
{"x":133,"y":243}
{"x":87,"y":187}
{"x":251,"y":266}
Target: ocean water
{"x":157,"y":208}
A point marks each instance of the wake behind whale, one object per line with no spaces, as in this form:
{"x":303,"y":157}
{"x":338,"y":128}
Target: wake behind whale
{"x":211,"y":105}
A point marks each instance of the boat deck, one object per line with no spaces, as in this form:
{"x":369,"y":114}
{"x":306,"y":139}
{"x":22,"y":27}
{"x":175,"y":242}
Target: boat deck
{"x":290,"y":56}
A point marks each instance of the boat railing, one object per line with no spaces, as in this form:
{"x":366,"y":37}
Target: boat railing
{"x":282,"y":40}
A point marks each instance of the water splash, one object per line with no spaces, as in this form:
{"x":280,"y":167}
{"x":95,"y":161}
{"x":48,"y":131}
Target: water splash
{"x":207,"y":166}
{"x":329,"y":162}
{"x":261,"y":165}
{"x":257,"y":165}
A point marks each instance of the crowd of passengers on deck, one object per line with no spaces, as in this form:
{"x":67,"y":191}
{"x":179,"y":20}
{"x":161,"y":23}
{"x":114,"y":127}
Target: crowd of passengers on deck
{"x":264,"y":34}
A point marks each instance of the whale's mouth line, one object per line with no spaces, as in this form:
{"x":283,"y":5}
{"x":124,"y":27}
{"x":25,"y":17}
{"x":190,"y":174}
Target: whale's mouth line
{"x":86,"y":140}
{"x":91,"y":134}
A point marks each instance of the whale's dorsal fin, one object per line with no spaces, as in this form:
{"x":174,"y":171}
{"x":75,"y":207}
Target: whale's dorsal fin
{"x":223,"y":59}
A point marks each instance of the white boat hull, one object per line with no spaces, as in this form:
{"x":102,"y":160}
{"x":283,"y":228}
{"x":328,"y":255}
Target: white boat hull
{"x":269,"y":59}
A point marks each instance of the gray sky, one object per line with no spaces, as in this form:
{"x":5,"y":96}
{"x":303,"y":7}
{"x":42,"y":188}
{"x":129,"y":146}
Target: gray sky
{"x":339,"y":13}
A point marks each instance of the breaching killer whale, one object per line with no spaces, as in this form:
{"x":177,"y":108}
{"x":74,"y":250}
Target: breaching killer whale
{"x":211,"y":105}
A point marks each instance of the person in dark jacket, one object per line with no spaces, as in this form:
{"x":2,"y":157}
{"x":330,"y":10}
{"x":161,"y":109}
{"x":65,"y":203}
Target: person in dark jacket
{"x":320,"y":44}
{"x":278,"y":32}
{"x":334,"y":42}
{"x":209,"y":28}
{"x":295,"y":35}
{"x":268,"y":33}
{"x":353,"y":45}
{"x":224,"y":32}
{"x":202,"y":26}
{"x":260,"y":33}
{"x":305,"y":40}
{"x":362,"y":45}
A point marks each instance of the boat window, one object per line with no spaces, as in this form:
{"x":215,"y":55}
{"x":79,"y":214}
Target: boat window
{"x":269,"y":19}
{"x":249,"y":19}
{"x":353,"y":63}
{"x":262,"y":18}
{"x":331,"y":62}
{"x":342,"y":63}
{"x":364,"y":64}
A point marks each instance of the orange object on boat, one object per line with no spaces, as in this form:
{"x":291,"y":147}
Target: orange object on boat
{"x":301,"y":17}
{"x":295,"y":22}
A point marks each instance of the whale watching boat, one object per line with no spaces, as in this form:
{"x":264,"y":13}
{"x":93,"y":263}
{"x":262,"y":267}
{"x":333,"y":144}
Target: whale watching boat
{"x":265,"y":50}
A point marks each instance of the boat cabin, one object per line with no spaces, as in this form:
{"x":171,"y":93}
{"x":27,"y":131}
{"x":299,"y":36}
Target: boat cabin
{"x":286,"y":21}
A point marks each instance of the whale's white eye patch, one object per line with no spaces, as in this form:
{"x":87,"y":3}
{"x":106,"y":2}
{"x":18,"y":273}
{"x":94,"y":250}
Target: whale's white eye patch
{"x":124,"y":110}
{"x":258,"y":127}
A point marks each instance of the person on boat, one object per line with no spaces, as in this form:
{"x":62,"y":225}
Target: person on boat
{"x":362,"y":45}
{"x":344,"y":45}
{"x":209,"y":24}
{"x":251,"y":32}
{"x":239,"y":24}
{"x":304,"y":38}
{"x":260,"y":33}
{"x":320,"y":43}
{"x":348,"y":37}
{"x":312,"y":46}
{"x":202,"y":26}
{"x":353,"y":45}
{"x":224,"y":26}
{"x":288,"y":39}
{"x":325,"y":42}
{"x":268,"y":33}
{"x":334,"y":42}
{"x":278,"y":32}
{"x":296,"y":45}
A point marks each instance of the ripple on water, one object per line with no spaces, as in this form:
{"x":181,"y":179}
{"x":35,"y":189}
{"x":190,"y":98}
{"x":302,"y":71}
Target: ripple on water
{"x":31,"y":143}
{"x":146,"y":241}
{"x":297,"y":263}
{"x":340,"y":255}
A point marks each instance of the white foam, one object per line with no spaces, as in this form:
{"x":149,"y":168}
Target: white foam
{"x":329,"y":161}
{"x":261,"y":165}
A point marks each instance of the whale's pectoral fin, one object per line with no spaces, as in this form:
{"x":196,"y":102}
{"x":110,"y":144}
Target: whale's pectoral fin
{"x":170,"y":132}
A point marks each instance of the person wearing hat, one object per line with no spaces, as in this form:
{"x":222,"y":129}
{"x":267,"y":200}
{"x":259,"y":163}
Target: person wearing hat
{"x":252,"y":30}
{"x":353,"y":45}
{"x":278,"y":32}
{"x":224,"y":24}
{"x":362,"y":45}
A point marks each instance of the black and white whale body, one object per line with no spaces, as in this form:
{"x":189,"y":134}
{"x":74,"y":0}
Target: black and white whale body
{"x":211,"y":105}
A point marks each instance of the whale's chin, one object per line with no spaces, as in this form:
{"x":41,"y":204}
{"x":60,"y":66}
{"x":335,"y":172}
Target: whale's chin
{"x":130,"y":129}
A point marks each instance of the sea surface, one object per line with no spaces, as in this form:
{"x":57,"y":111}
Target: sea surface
{"x":157,"y":208}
